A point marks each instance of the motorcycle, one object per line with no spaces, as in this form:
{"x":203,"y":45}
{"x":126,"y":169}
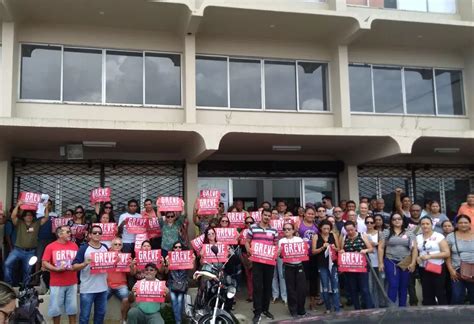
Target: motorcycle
{"x":218,"y":296}
{"x":28,"y":301}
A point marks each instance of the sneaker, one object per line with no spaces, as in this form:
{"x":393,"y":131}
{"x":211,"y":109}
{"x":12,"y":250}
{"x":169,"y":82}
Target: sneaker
{"x":268,"y":315}
{"x":256,"y":319}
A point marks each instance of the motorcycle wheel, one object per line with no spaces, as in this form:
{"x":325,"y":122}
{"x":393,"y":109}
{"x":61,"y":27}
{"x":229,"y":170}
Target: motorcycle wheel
{"x":220,"y":319}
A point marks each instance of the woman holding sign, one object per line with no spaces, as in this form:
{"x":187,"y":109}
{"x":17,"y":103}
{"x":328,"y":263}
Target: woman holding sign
{"x":170,"y":230}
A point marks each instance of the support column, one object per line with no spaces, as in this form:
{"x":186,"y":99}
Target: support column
{"x":349,"y":183}
{"x":189,"y":84}
{"x":8,"y":75}
{"x":469,"y":84}
{"x":340,"y":94}
{"x":190,"y":193}
{"x":6,"y":178}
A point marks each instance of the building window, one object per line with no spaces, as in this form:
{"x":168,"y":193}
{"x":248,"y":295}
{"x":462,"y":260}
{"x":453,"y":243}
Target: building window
{"x":435,"y":6}
{"x":241,"y":83}
{"x":82,"y":75}
{"x":211,"y":81}
{"x":67,"y":74}
{"x":40,"y":72}
{"x":405,"y":90}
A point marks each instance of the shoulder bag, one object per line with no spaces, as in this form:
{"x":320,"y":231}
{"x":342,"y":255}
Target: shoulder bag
{"x":467,"y":269}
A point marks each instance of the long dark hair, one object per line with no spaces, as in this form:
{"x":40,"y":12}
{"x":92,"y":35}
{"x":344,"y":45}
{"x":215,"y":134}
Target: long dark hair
{"x":206,"y":240}
{"x":111,"y":214}
{"x":392,"y":229}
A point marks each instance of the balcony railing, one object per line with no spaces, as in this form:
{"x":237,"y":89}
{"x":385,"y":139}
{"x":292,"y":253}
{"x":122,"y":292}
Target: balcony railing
{"x":433,"y":6}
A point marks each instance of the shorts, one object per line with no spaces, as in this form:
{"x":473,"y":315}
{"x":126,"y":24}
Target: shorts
{"x":62,"y":299}
{"x":121,"y":292}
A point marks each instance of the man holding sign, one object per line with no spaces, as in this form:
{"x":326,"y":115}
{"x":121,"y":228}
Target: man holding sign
{"x":265,"y":237}
{"x":128,"y":238}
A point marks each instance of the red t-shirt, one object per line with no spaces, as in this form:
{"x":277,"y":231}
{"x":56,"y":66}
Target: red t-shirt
{"x":58,"y":253}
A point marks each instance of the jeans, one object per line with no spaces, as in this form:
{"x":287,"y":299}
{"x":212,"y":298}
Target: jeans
{"x":359,"y":283}
{"x":18,"y":255}
{"x":375,"y":291}
{"x":177,"y":301}
{"x":330,"y":282}
{"x":295,"y":281}
{"x":262,"y":287}
{"x":278,"y":283}
{"x":458,"y":292}
{"x":100,"y":307}
{"x":62,"y":297}
{"x":397,"y":282}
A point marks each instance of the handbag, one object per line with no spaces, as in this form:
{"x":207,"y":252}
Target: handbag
{"x":179,"y":286}
{"x":467,"y":269}
{"x":433,"y":267}
{"x":404,"y":263}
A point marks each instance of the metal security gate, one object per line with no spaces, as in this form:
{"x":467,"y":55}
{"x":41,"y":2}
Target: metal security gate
{"x":69,"y":183}
{"x":446,"y":184}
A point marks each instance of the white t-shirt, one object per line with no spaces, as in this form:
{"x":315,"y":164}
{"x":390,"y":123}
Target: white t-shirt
{"x":430,"y":247}
{"x":294,"y":239}
{"x":374,"y":256}
{"x":329,"y":211}
{"x":126,"y":237}
{"x":93,"y":283}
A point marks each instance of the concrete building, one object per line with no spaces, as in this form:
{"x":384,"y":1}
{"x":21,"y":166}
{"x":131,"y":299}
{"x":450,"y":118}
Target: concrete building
{"x":263,"y":99}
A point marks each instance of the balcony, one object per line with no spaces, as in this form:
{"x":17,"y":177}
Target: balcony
{"x":431,"y":6}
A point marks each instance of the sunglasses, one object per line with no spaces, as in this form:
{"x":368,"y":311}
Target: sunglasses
{"x":107,"y":207}
{"x":96,"y":233}
{"x":79,"y":212}
{"x":117,"y":244}
{"x":367,"y":223}
{"x":177,"y":247}
{"x":249,"y":223}
{"x":224,"y":221}
{"x":169,"y":216}
{"x":67,"y":232}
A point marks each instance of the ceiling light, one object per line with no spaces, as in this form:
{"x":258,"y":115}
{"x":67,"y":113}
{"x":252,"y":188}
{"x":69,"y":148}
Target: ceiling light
{"x":448,"y":150}
{"x":286,"y":148}
{"x":99,"y":144}
{"x":272,"y":26}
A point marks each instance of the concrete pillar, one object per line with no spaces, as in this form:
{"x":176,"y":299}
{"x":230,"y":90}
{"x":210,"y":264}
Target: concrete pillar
{"x":189,"y":75}
{"x":469,"y":84}
{"x":6,"y":178}
{"x":339,"y":77}
{"x":8,"y":68}
{"x":191,"y":192}
{"x":348,"y":182}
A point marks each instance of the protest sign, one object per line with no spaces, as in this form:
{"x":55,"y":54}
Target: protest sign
{"x":243,"y":236}
{"x":100,"y":195}
{"x":210,"y":257}
{"x":58,"y":222}
{"x":123,"y":262}
{"x":257,"y":216}
{"x":136,"y":225}
{"x":227,"y":235}
{"x":197,"y":243}
{"x":139,"y":238}
{"x":165,"y":204}
{"x":150,"y":291}
{"x":210,"y":193}
{"x":352,"y":262}
{"x":180,"y":260}
{"x":294,"y":252}
{"x":109,"y":230}
{"x":102,"y":262}
{"x":208,"y":206}
{"x":278,"y":225}
{"x":153,"y":228}
{"x":29,"y":200}
{"x":78,"y":231}
{"x":263,"y":253}
{"x":149,"y":256}
{"x":237,"y":219}
{"x":63,"y":258}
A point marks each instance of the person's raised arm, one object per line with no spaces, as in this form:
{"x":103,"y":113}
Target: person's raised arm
{"x":45,"y":218}
{"x":15,"y":212}
{"x":398,"y":201}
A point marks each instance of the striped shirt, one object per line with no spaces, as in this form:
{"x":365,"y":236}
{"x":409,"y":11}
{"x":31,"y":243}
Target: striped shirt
{"x":268,"y":235}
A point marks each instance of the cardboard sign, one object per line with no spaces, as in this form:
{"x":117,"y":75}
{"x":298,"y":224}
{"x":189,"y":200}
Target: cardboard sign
{"x":136,"y":225}
{"x":295,"y":220}
{"x":150,"y":291}
{"x":263,"y":253}
{"x":154,"y":229}
{"x":63,"y":258}
{"x":78,"y":231}
{"x":257,"y":216}
{"x":227,"y":235}
{"x":102,"y":262}
{"x":352,"y":262}
{"x":123,"y":262}
{"x":139,"y":238}
{"x":100,"y":195}
{"x":30,"y":200}
{"x":294,"y":252}
{"x":58,"y":222}
{"x":209,"y":256}
{"x":197,"y":243}
{"x":278,"y":225}
{"x":237,"y":219}
{"x":180,"y":260}
{"x":210,"y":193}
{"x":166,"y":204}
{"x":208,"y":206}
{"x":150,"y":256}
{"x":243,"y":236}
{"x":109,"y":230}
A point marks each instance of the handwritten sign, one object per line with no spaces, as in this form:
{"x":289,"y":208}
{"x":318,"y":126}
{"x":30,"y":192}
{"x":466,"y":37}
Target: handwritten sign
{"x":139,"y":238}
{"x":30,"y":200}
{"x":153,"y":229}
{"x":210,"y":257}
{"x":102,"y":262}
{"x":294,"y":252}
{"x":257,"y":216}
{"x":100,"y":195}
{"x":58,"y":222}
{"x":263,"y":253}
{"x":352,"y":262}
{"x":237,"y":219}
{"x":197,"y":243}
{"x":208,"y":206}
{"x":109,"y":230}
{"x":166,"y":204}
{"x":180,"y":260}
{"x":150,"y":291}
{"x":123,"y":262}
{"x":136,"y":225}
{"x":149,"y":256}
{"x":63,"y":258}
{"x":210,"y":193}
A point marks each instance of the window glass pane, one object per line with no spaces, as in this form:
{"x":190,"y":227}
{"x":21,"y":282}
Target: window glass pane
{"x":442,"y":6}
{"x":414,"y":5}
{"x":312,"y":85}
{"x":360,"y":84}
{"x":162,"y":79}
{"x":211,"y":81}
{"x":124,"y":72}
{"x":315,"y":190}
{"x":245,"y":84}
{"x":388,"y":90}
{"x":287,"y":190}
{"x":280,"y":85}
{"x":40,"y":72}
{"x":388,"y":4}
{"x":82,"y":79}
{"x":419,"y":91}
{"x":449,"y":92}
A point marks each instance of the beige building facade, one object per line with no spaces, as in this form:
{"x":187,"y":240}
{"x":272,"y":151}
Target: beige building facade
{"x":263,"y":99}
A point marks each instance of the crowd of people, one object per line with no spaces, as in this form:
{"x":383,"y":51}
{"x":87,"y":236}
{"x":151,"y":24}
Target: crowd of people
{"x":409,"y":244}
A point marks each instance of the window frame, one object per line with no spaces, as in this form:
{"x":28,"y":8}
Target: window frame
{"x":456,"y":12}
{"x":103,"y":77}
